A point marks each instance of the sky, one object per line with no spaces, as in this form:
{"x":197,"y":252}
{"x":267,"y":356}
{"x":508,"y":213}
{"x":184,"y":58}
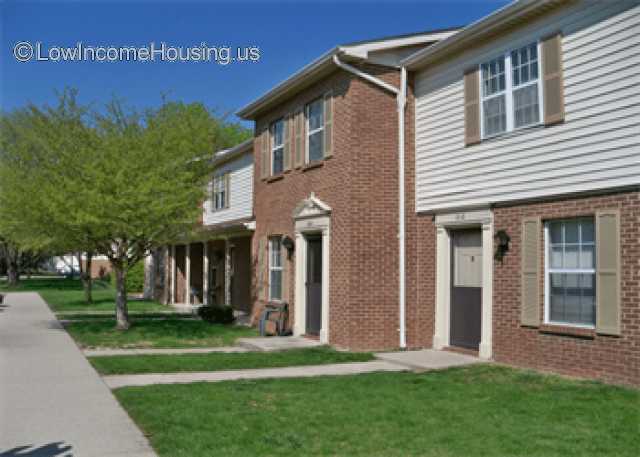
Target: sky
{"x":288,"y":35}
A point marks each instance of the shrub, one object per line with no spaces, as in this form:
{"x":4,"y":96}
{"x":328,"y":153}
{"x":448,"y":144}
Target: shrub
{"x":216,"y":314}
{"x":135,"y":278}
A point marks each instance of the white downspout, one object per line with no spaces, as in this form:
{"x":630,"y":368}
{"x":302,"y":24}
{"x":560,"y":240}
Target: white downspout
{"x":401,"y":98}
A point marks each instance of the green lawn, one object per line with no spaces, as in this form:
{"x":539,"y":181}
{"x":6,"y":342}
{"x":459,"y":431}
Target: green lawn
{"x":156,"y":333}
{"x":484,"y":410}
{"x":66,"y":295}
{"x":132,"y":364}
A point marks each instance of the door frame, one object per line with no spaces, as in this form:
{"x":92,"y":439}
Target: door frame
{"x":312,"y":217}
{"x":445,"y":223}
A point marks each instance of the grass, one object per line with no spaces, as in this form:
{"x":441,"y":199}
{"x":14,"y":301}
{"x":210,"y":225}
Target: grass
{"x":155,"y":333}
{"x":484,"y":410}
{"x":66,"y":295}
{"x":136,"y":364}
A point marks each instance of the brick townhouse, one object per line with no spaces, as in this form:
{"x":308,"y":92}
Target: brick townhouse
{"x":527,"y":172}
{"x":326,"y":192}
{"x":474,"y":189}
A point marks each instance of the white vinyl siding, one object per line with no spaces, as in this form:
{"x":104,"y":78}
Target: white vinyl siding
{"x":597,"y":147}
{"x":240,"y":203}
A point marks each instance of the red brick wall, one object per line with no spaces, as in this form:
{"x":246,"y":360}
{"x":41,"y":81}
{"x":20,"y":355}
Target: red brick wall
{"x":360,"y":183}
{"x":614,"y":359}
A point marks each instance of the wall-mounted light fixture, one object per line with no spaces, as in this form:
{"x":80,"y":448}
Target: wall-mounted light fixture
{"x":288,"y":244}
{"x":502,"y":244}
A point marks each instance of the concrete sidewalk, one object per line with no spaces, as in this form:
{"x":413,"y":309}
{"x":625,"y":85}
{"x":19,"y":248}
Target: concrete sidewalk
{"x":337,"y":369}
{"x":51,"y":401}
{"x":110,"y":352}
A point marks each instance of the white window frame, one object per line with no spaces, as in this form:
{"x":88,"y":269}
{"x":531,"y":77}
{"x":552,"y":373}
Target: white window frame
{"x":548,"y":271}
{"x":311,"y":132}
{"x":508,"y":91}
{"x":275,"y":147}
{"x":219,"y":180}
{"x":272,"y":267}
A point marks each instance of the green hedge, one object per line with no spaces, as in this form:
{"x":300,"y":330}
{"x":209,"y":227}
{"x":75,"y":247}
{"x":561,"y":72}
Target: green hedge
{"x":135,"y":278}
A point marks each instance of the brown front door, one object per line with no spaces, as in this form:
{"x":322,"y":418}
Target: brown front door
{"x":314,"y":285}
{"x":466,"y":288}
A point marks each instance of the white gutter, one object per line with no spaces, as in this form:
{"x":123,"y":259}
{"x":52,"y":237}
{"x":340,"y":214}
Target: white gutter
{"x":401,"y":99}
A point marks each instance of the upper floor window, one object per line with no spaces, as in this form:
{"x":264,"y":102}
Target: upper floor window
{"x":315,"y":130}
{"x":275,"y":268}
{"x":220,"y":194}
{"x":511,"y":91}
{"x":277,"y":147}
{"x":570,"y":272}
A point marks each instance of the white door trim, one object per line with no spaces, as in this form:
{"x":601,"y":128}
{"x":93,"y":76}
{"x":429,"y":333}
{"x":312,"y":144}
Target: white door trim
{"x":311,"y":217}
{"x":444,"y":224}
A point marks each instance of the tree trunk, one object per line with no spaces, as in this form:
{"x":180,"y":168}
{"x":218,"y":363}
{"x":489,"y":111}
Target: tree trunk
{"x":122,"y":313}
{"x":87,"y":282}
{"x":149,"y":275}
{"x":13,"y":274}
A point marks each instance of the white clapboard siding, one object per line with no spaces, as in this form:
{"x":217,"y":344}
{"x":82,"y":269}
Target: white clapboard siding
{"x":240,"y":191}
{"x":597,"y":147}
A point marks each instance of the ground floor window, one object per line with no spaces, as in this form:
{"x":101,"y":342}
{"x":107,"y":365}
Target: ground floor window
{"x":570,"y":272}
{"x":275,"y":268}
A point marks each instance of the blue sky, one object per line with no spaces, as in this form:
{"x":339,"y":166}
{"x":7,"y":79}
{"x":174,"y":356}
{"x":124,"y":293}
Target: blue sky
{"x":288,"y":34}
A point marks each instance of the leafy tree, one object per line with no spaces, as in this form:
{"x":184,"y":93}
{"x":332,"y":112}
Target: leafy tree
{"x":118,"y":182}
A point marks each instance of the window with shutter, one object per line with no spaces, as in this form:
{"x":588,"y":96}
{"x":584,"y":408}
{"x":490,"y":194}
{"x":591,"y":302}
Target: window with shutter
{"x":553,"y":84}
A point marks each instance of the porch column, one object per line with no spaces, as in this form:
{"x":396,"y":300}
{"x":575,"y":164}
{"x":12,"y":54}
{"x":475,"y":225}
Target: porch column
{"x":188,"y":275}
{"x":172,"y":275}
{"x":205,"y":273}
{"x":324,"y":332}
{"x":227,"y":272}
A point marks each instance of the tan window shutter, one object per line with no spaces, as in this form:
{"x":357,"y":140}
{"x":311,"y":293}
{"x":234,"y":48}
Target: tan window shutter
{"x":260,"y":277}
{"x":266,"y":155}
{"x":299,"y":121}
{"x":530,"y":312}
{"x":287,"y":143}
{"x":608,"y":272}
{"x":227,"y":195}
{"x":552,"y":80}
{"x":328,"y":124}
{"x":472,"y":106}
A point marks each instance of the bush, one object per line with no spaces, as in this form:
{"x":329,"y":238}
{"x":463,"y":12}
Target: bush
{"x":216,"y":314}
{"x":135,"y":278}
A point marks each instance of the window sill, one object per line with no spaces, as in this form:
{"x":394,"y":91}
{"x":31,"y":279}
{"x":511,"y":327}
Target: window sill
{"x":567,"y":330}
{"x":274,"y":178}
{"x":312,"y":165}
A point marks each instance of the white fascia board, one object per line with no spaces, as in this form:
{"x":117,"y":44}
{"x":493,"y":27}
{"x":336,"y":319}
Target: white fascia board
{"x":362,"y":50}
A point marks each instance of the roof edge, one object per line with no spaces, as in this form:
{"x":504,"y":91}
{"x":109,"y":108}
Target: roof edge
{"x":476,"y":30}
{"x":233,"y":152}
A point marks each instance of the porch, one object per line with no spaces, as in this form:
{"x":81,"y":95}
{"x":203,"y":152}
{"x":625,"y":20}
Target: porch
{"x":212,"y":270}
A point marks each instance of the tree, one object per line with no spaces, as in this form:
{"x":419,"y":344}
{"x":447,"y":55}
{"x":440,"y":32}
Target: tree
{"x":118,"y":182}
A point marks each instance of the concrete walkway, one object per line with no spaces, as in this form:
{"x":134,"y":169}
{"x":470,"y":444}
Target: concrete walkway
{"x":337,"y":369}
{"x":277,"y":343}
{"x":428,"y":359}
{"x":51,"y":401}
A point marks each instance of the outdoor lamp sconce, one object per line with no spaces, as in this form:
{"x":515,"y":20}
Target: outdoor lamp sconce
{"x":502,"y":242}
{"x":287,"y":242}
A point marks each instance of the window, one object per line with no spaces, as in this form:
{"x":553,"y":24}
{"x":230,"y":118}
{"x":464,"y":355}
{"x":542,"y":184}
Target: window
{"x":220,"y":198}
{"x":315,"y":130}
{"x":275,"y":268}
{"x":277,"y":147}
{"x":570,"y":272}
{"x":510,"y":91}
